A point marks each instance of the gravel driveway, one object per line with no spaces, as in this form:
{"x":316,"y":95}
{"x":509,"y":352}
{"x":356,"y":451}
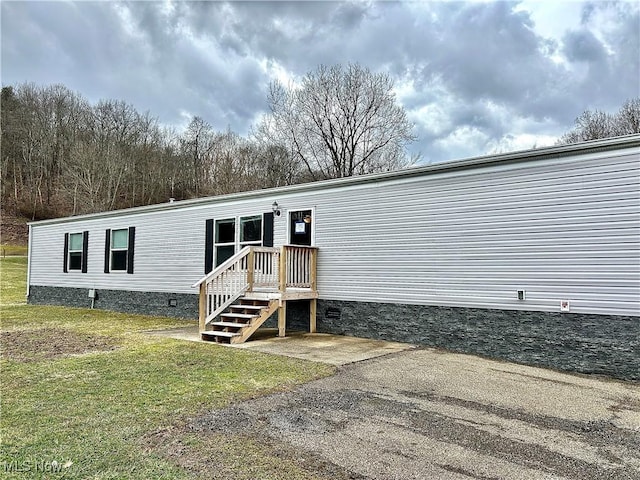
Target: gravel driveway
{"x":423,"y":414}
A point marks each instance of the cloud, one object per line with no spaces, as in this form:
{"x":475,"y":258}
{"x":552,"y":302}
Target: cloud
{"x":474,"y":77}
{"x":583,"y":46}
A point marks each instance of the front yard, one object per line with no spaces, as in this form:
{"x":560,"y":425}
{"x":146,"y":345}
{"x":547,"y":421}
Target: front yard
{"x":87,"y":394}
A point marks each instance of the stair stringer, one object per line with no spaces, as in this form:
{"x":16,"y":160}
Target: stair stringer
{"x":250,"y":329}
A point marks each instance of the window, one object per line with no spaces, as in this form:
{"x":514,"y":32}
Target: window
{"x":225,"y":240}
{"x":119,"y":250}
{"x":228,"y":239}
{"x":251,"y":231}
{"x":75,"y":252}
{"x":119,"y":247}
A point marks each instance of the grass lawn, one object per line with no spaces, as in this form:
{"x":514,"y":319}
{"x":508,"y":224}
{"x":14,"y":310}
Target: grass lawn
{"x":13,"y":280}
{"x":9,"y":250}
{"x":87,"y":389}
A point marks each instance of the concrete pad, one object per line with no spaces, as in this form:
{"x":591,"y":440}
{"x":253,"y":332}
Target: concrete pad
{"x":322,"y":347}
{"x":316,"y":347}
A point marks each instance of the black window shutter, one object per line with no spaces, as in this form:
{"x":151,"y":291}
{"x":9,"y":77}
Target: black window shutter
{"x":107,"y":248}
{"x":208,"y":246}
{"x":85,"y":250}
{"x":65,"y":267}
{"x":267,"y":229}
{"x":131,"y":249}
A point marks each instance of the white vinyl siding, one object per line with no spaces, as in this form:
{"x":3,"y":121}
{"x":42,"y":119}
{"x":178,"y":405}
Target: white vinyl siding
{"x":564,"y":228}
{"x":570,"y":232}
{"x":169,"y":255}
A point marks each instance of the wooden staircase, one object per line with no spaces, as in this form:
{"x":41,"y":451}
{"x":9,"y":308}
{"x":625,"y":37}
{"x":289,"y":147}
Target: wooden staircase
{"x":240,"y":320}
{"x":244,"y":291}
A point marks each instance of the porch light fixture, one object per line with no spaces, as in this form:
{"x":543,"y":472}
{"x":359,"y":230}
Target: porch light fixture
{"x":275,"y":208}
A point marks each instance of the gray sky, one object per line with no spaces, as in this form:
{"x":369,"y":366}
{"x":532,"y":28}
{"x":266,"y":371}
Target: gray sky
{"x":475,"y":77}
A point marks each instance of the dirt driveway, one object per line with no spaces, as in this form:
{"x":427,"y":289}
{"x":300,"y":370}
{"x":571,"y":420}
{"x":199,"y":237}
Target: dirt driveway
{"x":423,"y":414}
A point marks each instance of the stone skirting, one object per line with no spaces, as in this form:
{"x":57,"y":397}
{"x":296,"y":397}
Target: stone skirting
{"x":177,"y":305}
{"x":594,"y":344}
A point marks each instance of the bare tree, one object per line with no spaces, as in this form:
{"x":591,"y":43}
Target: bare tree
{"x":339,"y":122}
{"x":116,"y":161}
{"x":594,"y":125}
{"x":197,"y":145}
{"x":39,"y":126}
{"x":627,"y":120}
{"x":277,"y":166}
{"x":11,"y":166}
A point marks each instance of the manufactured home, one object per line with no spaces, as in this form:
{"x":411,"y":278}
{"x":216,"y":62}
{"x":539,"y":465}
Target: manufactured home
{"x":531,"y":256}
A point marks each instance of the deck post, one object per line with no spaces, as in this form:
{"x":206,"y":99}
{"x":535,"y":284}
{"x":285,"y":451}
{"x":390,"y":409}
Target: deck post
{"x":282,"y":319}
{"x":313,"y":266}
{"x":250,"y":268}
{"x":283,"y":269}
{"x":313,"y":303}
{"x":202,"y":307}
{"x":313,"y":307}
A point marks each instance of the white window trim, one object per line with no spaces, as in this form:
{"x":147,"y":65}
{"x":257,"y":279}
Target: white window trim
{"x":240,"y":244}
{"x":224,"y":244}
{"x":111,"y":250}
{"x":237,"y":244}
{"x":70,"y":251}
{"x":313,"y":223}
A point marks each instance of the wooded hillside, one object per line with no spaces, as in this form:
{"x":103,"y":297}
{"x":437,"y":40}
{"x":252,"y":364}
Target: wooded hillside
{"x":64,"y":156}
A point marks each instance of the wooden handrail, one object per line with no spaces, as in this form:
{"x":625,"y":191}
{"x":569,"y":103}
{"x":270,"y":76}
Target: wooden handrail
{"x":228,"y":282}
{"x":227,"y":263}
{"x":222,"y":267}
{"x":265,"y":268}
{"x":249,"y":267}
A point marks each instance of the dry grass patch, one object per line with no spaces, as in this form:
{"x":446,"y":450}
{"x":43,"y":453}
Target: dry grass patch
{"x":50,"y":343}
{"x":243,"y":456}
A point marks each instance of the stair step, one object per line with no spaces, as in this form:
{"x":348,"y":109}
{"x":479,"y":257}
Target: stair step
{"x":213,"y":333}
{"x":256,"y":298}
{"x":247,"y":307}
{"x":230,"y":324}
{"x":239,"y":315}
{"x":255,"y":303}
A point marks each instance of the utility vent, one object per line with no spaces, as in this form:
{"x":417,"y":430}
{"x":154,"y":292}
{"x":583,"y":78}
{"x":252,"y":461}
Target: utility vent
{"x":521,"y":295}
{"x":173,"y":302}
{"x":333,"y":313}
